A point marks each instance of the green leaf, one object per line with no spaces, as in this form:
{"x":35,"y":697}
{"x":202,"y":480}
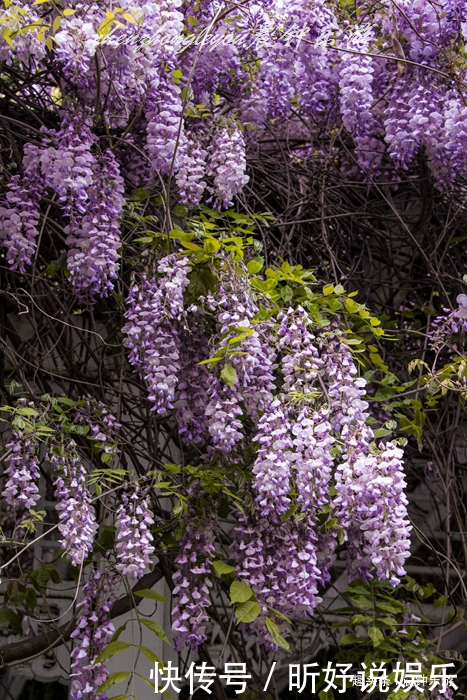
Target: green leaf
{"x":26,"y":411}
{"x":351,"y":639}
{"x":384,"y":394}
{"x":387,"y":621}
{"x":240,"y":592}
{"x":360,"y":590}
{"x":223,"y":568}
{"x":229,"y":375}
{"x":255,"y":265}
{"x":361,"y":602}
{"x":351,"y":306}
{"x":381,"y":432}
{"x":288,"y":514}
{"x":149,"y":654}
{"x":276,"y":635}
{"x":339,"y":289}
{"x":376,"y":636}
{"x":8,"y":616}
{"x":152,"y":595}
{"x":157,"y":629}
{"x":439,"y":602}
{"x":31,"y":598}
{"x":248,"y":611}
{"x":112,"y":679}
{"x":211,"y":245}
{"x":328,"y":289}
{"x":110,"y":650}
{"x":118,"y":632}
{"x":357,"y":619}
{"x":392,"y":606}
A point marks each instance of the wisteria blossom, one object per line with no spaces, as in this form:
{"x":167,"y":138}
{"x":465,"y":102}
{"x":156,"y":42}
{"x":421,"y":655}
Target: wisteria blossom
{"x":92,"y":633}
{"x":152,"y":334}
{"x":227,"y":165}
{"x":134,"y":538}
{"x":22,"y":471}
{"x":192,"y":585}
{"x":78,"y":526}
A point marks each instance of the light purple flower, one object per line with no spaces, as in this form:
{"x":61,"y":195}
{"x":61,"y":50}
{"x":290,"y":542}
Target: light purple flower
{"x":133,"y":536}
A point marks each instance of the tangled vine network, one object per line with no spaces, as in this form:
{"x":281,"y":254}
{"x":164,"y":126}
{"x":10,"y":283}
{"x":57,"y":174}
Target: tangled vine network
{"x":193,"y":195}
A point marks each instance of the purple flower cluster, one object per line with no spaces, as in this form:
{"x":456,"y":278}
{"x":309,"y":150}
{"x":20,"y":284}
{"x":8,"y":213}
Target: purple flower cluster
{"x":458,"y":320}
{"x":356,"y":98}
{"x":67,"y":163}
{"x":26,"y":48}
{"x":94,"y":238}
{"x":224,"y":412}
{"x":77,"y":516}
{"x":91,"y":193}
{"x":301,"y":363}
{"x":166,"y":137}
{"x":103,"y":424}
{"x":443,"y":326}
{"x":22,"y":471}
{"x":193,"y":582}
{"x":154,"y":308}
{"x":370,"y":504}
{"x":191,"y":171}
{"x":356,"y":94}
{"x":144,"y":66}
{"x":316,"y":78}
{"x":227,"y":166}
{"x":294,"y":437}
{"x":134,"y":538}
{"x":279,"y":563}
{"x":272,"y":467}
{"x":313,"y":460}
{"x":194,"y":382}
{"x":92,"y":633}
{"x":19,"y":217}
{"x":249,"y":352}
{"x":385,"y":525}
{"x":224,"y":402}
{"x":77,"y":42}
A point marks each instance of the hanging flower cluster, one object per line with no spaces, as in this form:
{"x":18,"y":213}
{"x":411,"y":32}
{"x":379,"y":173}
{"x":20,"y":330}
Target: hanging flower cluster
{"x":227,"y":166}
{"x":280,"y":564}
{"x":371,"y":504}
{"x":294,"y":390}
{"x":192,"y":584}
{"x":91,"y":634}
{"x":94,"y":238}
{"x":154,"y":308}
{"x":194,"y":381}
{"x":22,"y":471}
{"x":134,"y":538}
{"x":77,"y":516}
{"x":20,"y":215}
{"x":103,"y":426}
